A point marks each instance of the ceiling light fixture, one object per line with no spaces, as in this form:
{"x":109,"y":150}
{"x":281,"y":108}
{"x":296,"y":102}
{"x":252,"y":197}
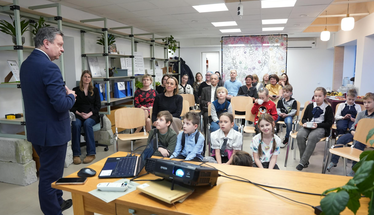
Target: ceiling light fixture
{"x":277,"y":3}
{"x":221,"y":24}
{"x":274,"y":21}
{"x":235,"y":30}
{"x":210,"y":8}
{"x":325,"y":35}
{"x":273,"y":29}
{"x":348,"y":23}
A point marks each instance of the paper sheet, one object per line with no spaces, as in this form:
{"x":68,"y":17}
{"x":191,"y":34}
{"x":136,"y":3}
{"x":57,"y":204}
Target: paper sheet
{"x":110,"y":196}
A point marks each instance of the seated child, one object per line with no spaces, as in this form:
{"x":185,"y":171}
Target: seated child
{"x":286,"y":109}
{"x":226,"y":140}
{"x":242,"y":158}
{"x":221,"y":105}
{"x":167,"y":138}
{"x":346,"y":113}
{"x":266,"y":145}
{"x":263,"y":105}
{"x":346,"y":138}
{"x":190,"y":142}
{"x":317,"y":121}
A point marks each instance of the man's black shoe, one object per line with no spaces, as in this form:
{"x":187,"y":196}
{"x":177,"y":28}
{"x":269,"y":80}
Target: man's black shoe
{"x":66,"y":204}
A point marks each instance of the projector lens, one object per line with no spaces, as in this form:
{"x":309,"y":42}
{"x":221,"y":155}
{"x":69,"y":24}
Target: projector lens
{"x":179,"y":173}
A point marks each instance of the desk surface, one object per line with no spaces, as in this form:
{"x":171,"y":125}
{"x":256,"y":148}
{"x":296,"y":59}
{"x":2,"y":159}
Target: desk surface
{"x":228,"y":197}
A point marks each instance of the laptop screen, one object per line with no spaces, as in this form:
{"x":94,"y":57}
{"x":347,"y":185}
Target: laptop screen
{"x":147,"y":153}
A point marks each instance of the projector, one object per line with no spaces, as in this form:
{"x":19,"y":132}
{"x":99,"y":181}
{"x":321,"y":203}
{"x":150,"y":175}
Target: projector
{"x":182,"y":173}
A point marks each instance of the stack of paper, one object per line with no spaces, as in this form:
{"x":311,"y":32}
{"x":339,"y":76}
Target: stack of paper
{"x":162,"y":191}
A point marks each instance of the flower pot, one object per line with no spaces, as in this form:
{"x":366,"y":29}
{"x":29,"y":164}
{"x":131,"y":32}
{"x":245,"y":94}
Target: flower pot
{"x":15,"y":41}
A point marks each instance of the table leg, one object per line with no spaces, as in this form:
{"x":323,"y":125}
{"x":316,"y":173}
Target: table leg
{"x":78,"y":205}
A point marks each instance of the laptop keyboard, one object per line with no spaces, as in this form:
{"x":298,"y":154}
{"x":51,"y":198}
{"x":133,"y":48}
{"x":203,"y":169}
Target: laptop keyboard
{"x":125,"y":167}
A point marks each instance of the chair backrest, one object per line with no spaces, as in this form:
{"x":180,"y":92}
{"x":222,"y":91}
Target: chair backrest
{"x":129,"y":118}
{"x":302,"y":112}
{"x":363,"y":128}
{"x":337,"y":106}
{"x":297,"y":110}
{"x":239,"y":103}
{"x":248,"y":113}
{"x":210,"y":109}
{"x":186,"y":107}
{"x":190,"y":98}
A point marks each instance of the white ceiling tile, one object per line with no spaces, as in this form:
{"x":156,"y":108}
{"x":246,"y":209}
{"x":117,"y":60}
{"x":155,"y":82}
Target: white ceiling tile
{"x":310,"y":11}
{"x":88,"y":3}
{"x":170,"y":4}
{"x":135,"y":6}
{"x":314,"y":2}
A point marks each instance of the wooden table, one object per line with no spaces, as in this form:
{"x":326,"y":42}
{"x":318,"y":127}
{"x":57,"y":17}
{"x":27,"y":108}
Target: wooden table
{"x":228,"y":197}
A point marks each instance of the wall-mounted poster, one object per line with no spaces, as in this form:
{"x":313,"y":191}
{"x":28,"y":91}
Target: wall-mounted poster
{"x":256,"y":54}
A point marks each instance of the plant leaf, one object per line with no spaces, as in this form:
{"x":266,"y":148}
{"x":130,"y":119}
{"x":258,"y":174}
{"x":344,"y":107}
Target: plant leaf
{"x":354,"y":201}
{"x":349,"y":187}
{"x":330,"y":190}
{"x":364,"y":171}
{"x":334,"y":203}
{"x":371,"y":142}
{"x":370,"y":134}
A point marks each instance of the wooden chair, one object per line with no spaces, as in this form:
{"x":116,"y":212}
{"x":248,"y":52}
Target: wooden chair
{"x":248,"y":117}
{"x":239,"y":103}
{"x":363,"y":128}
{"x":191,"y":100}
{"x":293,"y":135}
{"x":186,"y":107}
{"x":129,"y":118}
{"x":334,"y":125}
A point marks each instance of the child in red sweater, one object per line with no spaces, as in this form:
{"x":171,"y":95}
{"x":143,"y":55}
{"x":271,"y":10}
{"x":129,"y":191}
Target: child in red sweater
{"x":263,"y":105}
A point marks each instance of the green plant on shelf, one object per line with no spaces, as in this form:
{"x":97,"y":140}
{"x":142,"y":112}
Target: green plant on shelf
{"x":10,"y":28}
{"x":38,"y":25}
{"x":139,"y":84}
{"x":101,"y":40}
{"x":338,"y":198}
{"x":171,"y":43}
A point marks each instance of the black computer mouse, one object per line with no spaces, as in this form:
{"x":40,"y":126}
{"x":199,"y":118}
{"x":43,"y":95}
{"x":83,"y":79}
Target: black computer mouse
{"x":86,"y":172}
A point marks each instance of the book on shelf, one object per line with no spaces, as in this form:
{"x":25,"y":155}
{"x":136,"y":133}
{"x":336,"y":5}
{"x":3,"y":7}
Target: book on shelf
{"x":162,"y":190}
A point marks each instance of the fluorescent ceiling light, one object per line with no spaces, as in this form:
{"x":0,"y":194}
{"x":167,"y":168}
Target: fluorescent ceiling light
{"x":274,"y":21}
{"x":273,"y":44}
{"x":236,"y":45}
{"x":230,"y":30}
{"x":277,"y":3}
{"x":221,"y":24}
{"x":210,"y":8}
{"x":273,"y":29}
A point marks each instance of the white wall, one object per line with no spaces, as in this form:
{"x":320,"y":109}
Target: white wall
{"x":192,"y":56}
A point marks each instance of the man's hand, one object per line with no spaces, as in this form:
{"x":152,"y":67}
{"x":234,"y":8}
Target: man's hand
{"x":69,"y":91}
{"x":163,"y":151}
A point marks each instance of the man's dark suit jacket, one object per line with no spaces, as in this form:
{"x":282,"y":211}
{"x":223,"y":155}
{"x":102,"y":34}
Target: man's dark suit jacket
{"x":205,"y":97}
{"x":46,"y":103}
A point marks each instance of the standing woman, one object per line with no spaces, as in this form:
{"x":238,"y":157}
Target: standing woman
{"x":196,"y":85}
{"x":144,"y":99}
{"x":170,"y":101}
{"x":161,"y":88}
{"x":86,"y":110}
{"x":184,"y":87}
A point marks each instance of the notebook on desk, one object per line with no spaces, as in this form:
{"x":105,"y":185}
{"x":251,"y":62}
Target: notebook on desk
{"x":129,"y":166}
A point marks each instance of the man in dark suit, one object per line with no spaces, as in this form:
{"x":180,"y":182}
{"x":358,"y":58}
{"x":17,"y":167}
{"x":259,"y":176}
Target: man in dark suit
{"x":47,"y":103}
{"x":207,"y":98}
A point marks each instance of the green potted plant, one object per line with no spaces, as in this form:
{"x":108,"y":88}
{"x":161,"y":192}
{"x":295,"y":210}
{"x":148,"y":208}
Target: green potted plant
{"x":338,"y":198}
{"x":38,"y":25}
{"x":171,"y":43}
{"x":101,"y":40}
{"x":10,"y":28}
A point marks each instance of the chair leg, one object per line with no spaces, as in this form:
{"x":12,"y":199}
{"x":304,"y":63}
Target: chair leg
{"x":115,"y":147}
{"x":325,"y":155}
{"x":287,"y":151}
{"x":345,"y":166}
{"x":294,"y":148}
{"x":132,"y":146}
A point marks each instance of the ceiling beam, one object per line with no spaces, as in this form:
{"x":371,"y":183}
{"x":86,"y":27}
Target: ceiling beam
{"x":343,"y":15}
{"x":351,"y":2}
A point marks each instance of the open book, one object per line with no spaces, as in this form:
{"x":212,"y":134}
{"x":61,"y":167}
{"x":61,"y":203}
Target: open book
{"x":162,"y":191}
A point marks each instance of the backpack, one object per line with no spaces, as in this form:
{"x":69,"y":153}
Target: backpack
{"x":184,"y":139}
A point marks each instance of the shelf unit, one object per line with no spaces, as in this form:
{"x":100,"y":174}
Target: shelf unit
{"x":30,"y":13}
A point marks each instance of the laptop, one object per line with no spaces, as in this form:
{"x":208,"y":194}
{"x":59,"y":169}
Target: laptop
{"x":129,"y":166}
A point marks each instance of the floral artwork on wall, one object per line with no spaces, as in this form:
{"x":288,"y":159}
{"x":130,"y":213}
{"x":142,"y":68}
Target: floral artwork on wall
{"x":256,"y":54}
